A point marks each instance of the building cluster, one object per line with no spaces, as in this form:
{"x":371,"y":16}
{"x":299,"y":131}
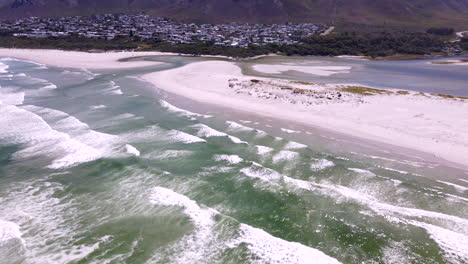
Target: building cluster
{"x":111,"y":26}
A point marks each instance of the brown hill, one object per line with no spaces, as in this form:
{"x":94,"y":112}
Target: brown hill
{"x":415,"y":13}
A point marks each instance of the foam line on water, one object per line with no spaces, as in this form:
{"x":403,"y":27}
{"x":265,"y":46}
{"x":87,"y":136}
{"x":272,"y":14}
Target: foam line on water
{"x":132,"y":150}
{"x":185,"y":137}
{"x":206,"y":131}
{"x":321,"y":164}
{"x":3,"y":67}
{"x":263,"y":150}
{"x":390,"y":212}
{"x":174,"y":109}
{"x":454,"y":245}
{"x":12,"y":247}
{"x":11,"y":96}
{"x":362,"y":172}
{"x":266,"y":248}
{"x":196,"y":244}
{"x":285,"y":155}
{"x":24,"y":127}
{"x":263,"y":247}
{"x":238,"y":127}
{"x":95,"y":107}
{"x":155,"y":133}
{"x":290,"y":131}
{"x":48,"y":230}
{"x":457,"y":187}
{"x":45,"y":131}
{"x":295,"y":145}
{"x":168,"y":154}
{"x":231,"y":159}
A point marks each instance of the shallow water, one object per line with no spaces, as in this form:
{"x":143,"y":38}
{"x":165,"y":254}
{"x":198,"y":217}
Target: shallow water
{"x":99,"y":167}
{"x":417,"y":75}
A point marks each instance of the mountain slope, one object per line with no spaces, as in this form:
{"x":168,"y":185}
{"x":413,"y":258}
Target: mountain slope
{"x":395,"y":12}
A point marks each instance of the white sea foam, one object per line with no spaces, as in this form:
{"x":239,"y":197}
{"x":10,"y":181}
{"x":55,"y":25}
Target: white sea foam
{"x":11,"y":96}
{"x":48,"y":234}
{"x":321,"y":164}
{"x":260,"y":172}
{"x":294,"y":145}
{"x":456,"y":186}
{"x":394,"y":170}
{"x":238,"y":127}
{"x":237,"y":140}
{"x":263,"y":150}
{"x":455,"y":245}
{"x":154,"y":133}
{"x":362,"y":172}
{"x":43,"y":131}
{"x":463,"y":180}
{"x":11,"y":244}
{"x":184,"y":137}
{"x":168,"y":154}
{"x":117,"y":92}
{"x":263,"y":247}
{"x":232,"y":159}
{"x":195,"y":244}
{"x":285,"y":155}
{"x":174,"y":109}
{"x":266,"y":248}
{"x":50,"y":86}
{"x":126,"y":116}
{"x":3,"y":68}
{"x":132,"y":150}
{"x":448,"y":239}
{"x":290,"y":131}
{"x":206,"y":131}
{"x":95,"y":107}
{"x":24,"y":127}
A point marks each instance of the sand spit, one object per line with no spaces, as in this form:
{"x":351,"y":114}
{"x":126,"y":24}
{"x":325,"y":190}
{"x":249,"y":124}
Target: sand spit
{"x":77,"y":59}
{"x":433,"y":124}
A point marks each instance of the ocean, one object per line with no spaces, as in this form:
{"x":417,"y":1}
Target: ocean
{"x":101,"y":167}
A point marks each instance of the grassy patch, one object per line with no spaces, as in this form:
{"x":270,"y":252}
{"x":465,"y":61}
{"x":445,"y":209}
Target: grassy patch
{"x":402,"y":92}
{"x":303,"y":83}
{"x":362,"y":90}
{"x":447,"y":96}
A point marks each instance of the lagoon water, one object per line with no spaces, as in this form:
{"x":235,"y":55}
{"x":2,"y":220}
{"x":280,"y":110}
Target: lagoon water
{"x":100,"y":167}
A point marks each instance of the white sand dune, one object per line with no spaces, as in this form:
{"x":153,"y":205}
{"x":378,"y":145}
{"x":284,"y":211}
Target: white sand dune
{"x":430,"y":124}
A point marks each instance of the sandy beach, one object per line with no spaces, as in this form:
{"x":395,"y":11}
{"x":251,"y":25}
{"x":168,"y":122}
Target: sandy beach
{"x":424,"y":122}
{"x":429,"y":123}
{"x":77,"y":59}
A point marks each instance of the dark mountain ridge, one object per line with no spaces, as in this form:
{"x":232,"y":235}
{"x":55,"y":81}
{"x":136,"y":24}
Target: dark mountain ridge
{"x":415,"y":13}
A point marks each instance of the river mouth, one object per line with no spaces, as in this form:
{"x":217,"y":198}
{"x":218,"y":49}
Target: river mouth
{"x":98,"y":166}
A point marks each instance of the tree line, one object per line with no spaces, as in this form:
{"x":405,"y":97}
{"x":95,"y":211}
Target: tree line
{"x":368,"y":44}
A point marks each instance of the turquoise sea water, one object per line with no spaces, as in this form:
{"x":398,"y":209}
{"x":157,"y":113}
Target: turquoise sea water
{"x":100,"y":167}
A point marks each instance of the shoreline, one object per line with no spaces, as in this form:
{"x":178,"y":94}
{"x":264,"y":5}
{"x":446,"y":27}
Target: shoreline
{"x":428,"y":123}
{"x":100,"y":60}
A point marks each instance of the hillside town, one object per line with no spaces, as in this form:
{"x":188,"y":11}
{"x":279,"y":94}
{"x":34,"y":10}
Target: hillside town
{"x":145,"y":27}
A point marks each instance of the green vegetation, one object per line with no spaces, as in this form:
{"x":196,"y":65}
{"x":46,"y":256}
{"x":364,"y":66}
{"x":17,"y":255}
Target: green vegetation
{"x":372,"y":44}
{"x":441,"y":31}
{"x":447,"y":96}
{"x":369,"y":44}
{"x":464,"y":43}
{"x":362,"y":90}
{"x":402,"y":92}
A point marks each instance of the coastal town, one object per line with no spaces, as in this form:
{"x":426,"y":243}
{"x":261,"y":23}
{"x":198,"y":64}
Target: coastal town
{"x":145,"y":27}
